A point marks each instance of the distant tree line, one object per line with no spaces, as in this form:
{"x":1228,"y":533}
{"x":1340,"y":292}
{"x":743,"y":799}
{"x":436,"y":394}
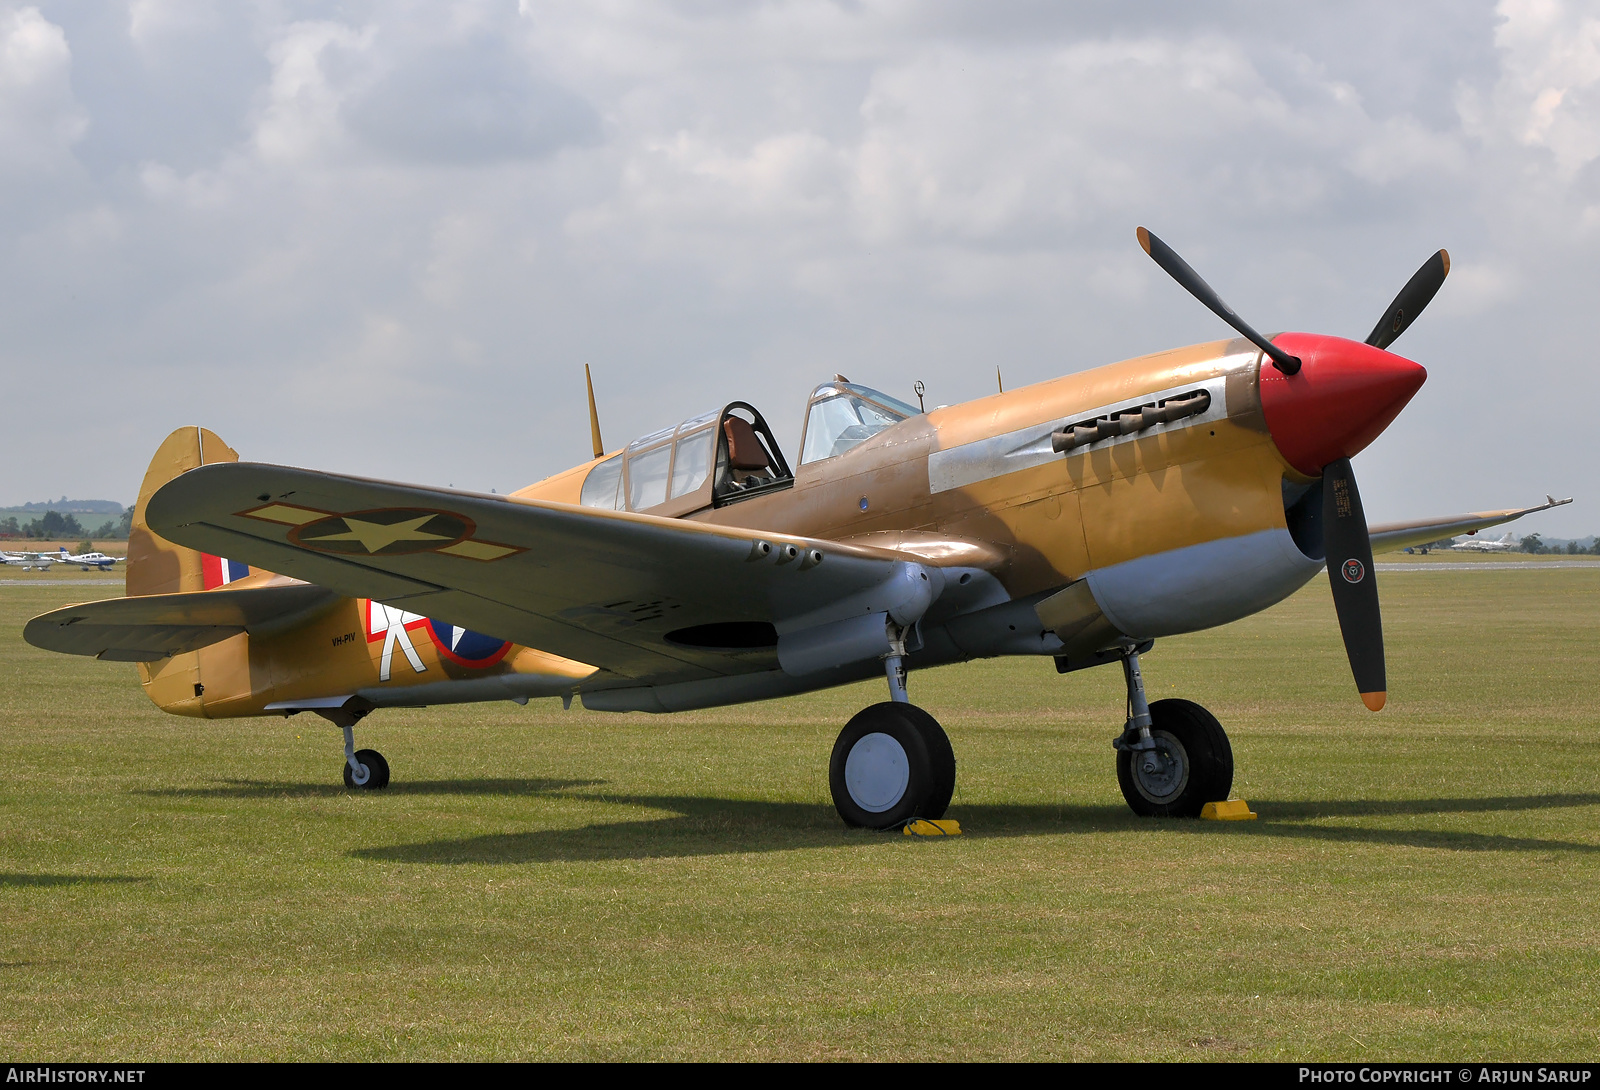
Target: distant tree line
{"x":54,"y":526}
{"x":1532,"y":544}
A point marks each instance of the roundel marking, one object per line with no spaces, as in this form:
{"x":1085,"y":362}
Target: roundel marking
{"x":465,"y":647}
{"x":388,"y":531}
{"x":1354,"y":571}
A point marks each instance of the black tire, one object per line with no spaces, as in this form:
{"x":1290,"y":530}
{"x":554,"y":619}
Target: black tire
{"x":1191,"y":736}
{"x":377,"y":770}
{"x":906,"y":772}
{"x":942,"y":762}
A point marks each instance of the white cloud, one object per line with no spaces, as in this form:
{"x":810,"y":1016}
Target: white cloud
{"x":39,"y":118}
{"x":301,"y":118}
{"x":1547,"y":96}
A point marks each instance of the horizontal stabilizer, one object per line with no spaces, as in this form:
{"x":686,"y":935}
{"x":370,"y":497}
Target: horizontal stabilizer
{"x":1399,"y":535}
{"x":157,"y":626}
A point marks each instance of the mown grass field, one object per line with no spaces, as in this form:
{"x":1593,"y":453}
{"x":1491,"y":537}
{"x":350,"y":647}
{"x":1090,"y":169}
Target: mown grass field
{"x":1421,"y":883}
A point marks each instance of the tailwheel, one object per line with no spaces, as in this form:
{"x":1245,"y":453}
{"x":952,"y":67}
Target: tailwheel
{"x":1188,"y":764}
{"x":891,"y":763}
{"x":373,"y":774}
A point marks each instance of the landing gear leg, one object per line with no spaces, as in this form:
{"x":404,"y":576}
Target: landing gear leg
{"x":1135,"y":735}
{"x":1173,"y":756}
{"x":363,"y":768}
{"x":894,"y":664}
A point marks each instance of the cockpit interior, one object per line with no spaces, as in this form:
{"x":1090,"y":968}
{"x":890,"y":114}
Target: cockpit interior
{"x":730,"y":454}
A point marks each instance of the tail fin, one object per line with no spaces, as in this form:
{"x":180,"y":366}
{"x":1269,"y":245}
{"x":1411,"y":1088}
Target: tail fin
{"x":156,"y":565}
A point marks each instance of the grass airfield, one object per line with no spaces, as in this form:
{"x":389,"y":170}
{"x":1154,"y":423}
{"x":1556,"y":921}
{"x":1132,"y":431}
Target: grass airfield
{"x":1421,"y":883}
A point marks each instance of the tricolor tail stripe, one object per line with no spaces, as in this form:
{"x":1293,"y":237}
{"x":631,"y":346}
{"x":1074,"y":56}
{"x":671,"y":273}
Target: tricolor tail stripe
{"x":220,"y":571}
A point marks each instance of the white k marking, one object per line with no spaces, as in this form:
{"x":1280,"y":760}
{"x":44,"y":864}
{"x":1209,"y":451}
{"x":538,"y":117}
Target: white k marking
{"x":393,"y":622}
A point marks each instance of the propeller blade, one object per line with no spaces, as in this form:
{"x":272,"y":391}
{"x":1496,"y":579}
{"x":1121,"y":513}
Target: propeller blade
{"x":1355,"y":590}
{"x":1177,"y":268}
{"x":1418,"y":293}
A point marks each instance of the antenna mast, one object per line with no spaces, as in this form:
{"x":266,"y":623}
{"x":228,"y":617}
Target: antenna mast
{"x":594,"y":415}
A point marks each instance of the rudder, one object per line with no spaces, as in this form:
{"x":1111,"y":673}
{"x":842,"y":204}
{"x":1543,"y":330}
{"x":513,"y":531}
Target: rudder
{"x":155,"y":565}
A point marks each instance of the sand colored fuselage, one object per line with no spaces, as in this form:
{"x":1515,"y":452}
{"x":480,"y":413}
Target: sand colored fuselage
{"x":1175,"y":528}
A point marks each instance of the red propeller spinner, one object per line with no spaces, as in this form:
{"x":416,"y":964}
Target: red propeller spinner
{"x":1342,"y":397}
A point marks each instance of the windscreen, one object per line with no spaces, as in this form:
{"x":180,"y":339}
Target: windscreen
{"x":843,"y":414}
{"x":601,"y":488}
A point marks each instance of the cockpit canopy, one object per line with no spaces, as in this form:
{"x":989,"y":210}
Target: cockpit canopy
{"x":842,"y":414}
{"x":712,"y":459}
{"x":728,"y":455}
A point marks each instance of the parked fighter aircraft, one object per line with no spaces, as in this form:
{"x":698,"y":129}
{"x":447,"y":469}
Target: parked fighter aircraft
{"x":1079,"y":518}
{"x":1473,"y":545}
{"x":93,"y":559}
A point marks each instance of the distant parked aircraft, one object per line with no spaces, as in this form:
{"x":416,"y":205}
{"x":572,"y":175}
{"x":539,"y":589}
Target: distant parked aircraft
{"x":1473,"y":545}
{"x":88,"y":560}
{"x":28,"y":561}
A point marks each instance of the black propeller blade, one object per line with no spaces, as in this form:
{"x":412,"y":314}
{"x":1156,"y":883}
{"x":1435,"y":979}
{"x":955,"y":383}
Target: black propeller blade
{"x":1177,"y":268}
{"x":1347,"y":542}
{"x":1418,"y":293}
{"x":1355,"y":589}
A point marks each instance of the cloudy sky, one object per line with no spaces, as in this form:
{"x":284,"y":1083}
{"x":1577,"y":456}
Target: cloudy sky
{"x":384,"y":238}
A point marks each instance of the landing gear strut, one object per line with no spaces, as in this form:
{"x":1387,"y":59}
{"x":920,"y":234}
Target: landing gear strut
{"x":364,"y":768}
{"x":892,"y":763}
{"x":1173,"y":756}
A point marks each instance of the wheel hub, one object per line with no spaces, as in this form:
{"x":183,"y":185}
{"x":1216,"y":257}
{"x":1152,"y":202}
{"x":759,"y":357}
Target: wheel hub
{"x":877,"y":772}
{"x":1162,"y":772}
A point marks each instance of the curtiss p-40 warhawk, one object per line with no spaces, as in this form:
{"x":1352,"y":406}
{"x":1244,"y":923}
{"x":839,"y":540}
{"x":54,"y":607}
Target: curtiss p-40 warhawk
{"x":1078,"y":519}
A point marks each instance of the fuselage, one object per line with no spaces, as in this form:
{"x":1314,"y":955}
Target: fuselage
{"x":1173,"y":527}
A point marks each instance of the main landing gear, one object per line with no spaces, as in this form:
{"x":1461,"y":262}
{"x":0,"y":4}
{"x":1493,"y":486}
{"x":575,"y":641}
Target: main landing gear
{"x":892,"y":762}
{"x":1173,"y":757}
{"x":363,"y":768}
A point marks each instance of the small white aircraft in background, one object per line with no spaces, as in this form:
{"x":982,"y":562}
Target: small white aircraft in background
{"x":1473,"y":545}
{"x":28,"y":561}
{"x":88,"y":560}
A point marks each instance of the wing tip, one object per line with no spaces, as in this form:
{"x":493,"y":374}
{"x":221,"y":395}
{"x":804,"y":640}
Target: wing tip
{"x":1375,"y":701}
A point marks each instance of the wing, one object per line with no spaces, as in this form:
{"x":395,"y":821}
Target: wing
{"x":1398,"y":535}
{"x":645,"y":598}
{"x":151,"y":627}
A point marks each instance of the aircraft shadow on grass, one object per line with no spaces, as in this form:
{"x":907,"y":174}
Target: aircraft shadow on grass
{"x":699,"y":826}
{"x":268,"y":789}
{"x":12,"y":879}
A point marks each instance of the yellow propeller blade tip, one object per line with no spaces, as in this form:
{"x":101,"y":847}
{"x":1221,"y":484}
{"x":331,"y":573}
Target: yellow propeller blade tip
{"x":1374,"y":701}
{"x":1144,"y":239}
